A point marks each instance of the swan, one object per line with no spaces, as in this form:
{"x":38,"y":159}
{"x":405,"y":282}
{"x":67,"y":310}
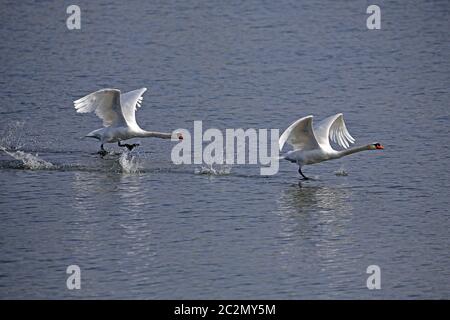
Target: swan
{"x":117,"y":111}
{"x":312,"y":145}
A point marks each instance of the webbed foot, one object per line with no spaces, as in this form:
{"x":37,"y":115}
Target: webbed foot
{"x":131,"y":146}
{"x":128,"y":146}
{"x":102,"y":152}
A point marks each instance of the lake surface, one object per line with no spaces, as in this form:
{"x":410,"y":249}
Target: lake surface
{"x":141,"y":227}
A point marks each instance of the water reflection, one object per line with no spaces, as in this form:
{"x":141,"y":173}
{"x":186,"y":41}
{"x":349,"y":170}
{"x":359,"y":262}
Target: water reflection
{"x":112,"y":206}
{"x":299,"y":203}
{"x":109,"y":188}
{"x":314,"y":222}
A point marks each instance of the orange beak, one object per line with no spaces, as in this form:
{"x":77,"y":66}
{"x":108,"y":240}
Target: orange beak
{"x":380,"y":147}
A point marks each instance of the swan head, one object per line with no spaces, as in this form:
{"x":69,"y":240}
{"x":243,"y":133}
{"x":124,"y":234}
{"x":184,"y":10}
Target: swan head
{"x":179,"y":136}
{"x":375,"y":146}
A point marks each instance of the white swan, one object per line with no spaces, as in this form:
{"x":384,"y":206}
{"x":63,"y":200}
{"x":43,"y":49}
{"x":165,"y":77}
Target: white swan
{"x":313,"y":145}
{"x":118,"y":114}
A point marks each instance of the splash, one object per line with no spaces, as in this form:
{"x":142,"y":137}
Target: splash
{"x":221,"y":170}
{"x":341,"y":172}
{"x":12,"y":136}
{"x":12,"y":139}
{"x":129,"y":162}
{"x":30,"y":161}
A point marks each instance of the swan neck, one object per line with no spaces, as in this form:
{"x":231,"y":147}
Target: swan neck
{"x":155,"y":134}
{"x":346,"y":152}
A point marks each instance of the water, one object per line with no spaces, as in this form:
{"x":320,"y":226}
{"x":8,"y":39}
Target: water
{"x":141,"y":227}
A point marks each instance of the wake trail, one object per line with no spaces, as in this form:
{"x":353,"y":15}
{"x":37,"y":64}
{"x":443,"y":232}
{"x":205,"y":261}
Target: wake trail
{"x":30,"y":161}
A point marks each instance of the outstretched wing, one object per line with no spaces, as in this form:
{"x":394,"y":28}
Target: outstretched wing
{"x":333,"y":128}
{"x":300,"y":135}
{"x":105,"y":103}
{"x":130,"y":101}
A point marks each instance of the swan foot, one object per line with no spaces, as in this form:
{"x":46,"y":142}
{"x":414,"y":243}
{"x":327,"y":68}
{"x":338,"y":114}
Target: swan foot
{"x":131,"y":146}
{"x":301,"y":173}
{"x":128,"y":146}
{"x":102,"y":151}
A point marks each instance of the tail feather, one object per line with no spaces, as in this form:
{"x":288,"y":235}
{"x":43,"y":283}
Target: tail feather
{"x":90,"y":136}
{"x":94,"y":134}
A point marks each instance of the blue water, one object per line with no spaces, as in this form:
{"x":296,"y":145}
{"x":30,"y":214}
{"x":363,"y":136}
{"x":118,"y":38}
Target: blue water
{"x":151,"y":229}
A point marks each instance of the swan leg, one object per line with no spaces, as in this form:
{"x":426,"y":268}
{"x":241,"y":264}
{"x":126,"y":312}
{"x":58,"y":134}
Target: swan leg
{"x":102,"y":151}
{"x":128,"y":146}
{"x":301,"y":173}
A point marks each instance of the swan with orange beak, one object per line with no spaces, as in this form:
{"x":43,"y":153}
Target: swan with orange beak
{"x":312,"y":144}
{"x":119,"y":119}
